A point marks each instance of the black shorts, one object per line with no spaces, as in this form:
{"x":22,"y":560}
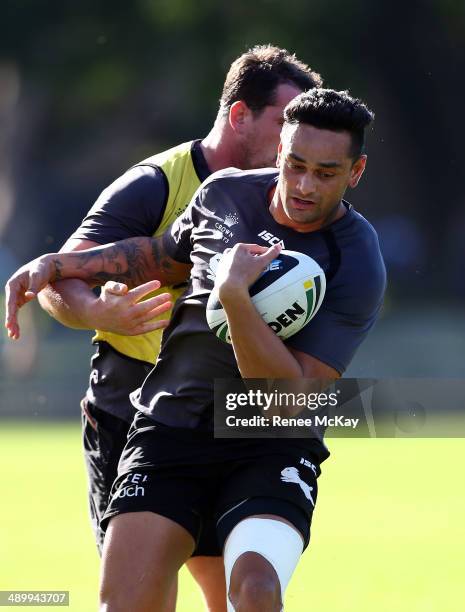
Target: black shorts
{"x":104,"y":438}
{"x":194,"y":479}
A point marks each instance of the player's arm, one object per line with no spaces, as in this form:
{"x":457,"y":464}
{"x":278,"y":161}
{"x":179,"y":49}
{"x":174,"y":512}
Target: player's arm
{"x":72,"y":302}
{"x":131,"y":206}
{"x":132,"y":262}
{"x":259,"y":352}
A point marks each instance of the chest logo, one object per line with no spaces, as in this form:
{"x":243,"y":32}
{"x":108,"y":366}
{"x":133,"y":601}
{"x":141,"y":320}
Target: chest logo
{"x":267,"y":237}
{"x":231,"y":219}
{"x":224,"y":227}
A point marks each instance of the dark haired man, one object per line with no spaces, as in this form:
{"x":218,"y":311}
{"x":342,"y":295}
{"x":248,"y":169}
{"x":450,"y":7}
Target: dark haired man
{"x":263,"y":522}
{"x":145,"y":201}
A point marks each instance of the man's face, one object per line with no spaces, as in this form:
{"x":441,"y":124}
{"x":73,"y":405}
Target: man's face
{"x":262,"y":137}
{"x":315,"y":169}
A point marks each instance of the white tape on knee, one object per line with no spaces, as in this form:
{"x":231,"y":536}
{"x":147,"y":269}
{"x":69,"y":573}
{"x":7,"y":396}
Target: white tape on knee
{"x":277,"y":542}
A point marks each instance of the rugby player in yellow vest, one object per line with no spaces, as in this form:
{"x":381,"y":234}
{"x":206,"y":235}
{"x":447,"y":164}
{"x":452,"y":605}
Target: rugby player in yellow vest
{"x":145,"y":201}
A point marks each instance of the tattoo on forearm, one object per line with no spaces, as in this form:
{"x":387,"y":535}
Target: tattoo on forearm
{"x":58,"y":266}
{"x":159,"y":257}
{"x":133,"y":262}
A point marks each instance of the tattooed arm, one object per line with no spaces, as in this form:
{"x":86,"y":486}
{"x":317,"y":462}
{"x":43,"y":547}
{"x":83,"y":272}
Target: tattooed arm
{"x":116,"y":309}
{"x":132,"y":262}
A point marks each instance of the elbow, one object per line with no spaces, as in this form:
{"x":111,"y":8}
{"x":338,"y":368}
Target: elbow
{"x":282,"y":373}
{"x":46,"y":298}
{"x":296,"y":374}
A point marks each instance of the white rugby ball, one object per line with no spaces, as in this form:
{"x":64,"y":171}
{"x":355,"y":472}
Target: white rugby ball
{"x":287,"y":295}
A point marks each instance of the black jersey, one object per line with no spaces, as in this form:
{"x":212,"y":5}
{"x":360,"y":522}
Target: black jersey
{"x":233,"y":206}
{"x":134,"y":204}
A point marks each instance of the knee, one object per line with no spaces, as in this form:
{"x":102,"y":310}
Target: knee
{"x":121,"y":600}
{"x":121,"y":596}
{"x":110,"y":600}
{"x":254,"y":589}
{"x":115,"y":599}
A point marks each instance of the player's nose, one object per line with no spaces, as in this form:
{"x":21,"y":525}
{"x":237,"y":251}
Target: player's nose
{"x":306,"y":184}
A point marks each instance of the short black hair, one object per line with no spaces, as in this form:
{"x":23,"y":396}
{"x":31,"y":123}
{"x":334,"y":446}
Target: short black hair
{"x":328,"y":109}
{"x":255,"y":75}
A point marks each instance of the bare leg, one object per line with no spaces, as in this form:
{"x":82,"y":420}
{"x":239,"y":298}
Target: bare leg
{"x":142,"y":554}
{"x":170,"y":605}
{"x":208,"y":572}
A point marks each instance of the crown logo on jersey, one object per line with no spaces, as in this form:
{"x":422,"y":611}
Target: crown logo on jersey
{"x":231,"y":220}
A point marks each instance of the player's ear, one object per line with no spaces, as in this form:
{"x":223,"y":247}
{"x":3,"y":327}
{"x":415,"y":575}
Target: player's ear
{"x":239,"y":115}
{"x":358,"y":167}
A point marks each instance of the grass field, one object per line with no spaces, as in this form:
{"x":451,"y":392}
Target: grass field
{"x":388,"y":532}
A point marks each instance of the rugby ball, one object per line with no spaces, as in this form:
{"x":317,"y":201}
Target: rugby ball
{"x":287,"y":295}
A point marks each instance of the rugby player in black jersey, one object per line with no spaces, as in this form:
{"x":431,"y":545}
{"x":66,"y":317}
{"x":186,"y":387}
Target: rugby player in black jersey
{"x":145,"y":201}
{"x":173,"y":473}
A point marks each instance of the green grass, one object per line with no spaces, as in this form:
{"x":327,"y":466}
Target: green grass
{"x":388,"y":532}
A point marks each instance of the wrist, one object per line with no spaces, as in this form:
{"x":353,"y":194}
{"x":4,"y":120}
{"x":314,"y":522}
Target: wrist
{"x":232,"y":294}
{"x":91,"y":307}
{"x":46,"y":265}
{"x":55,"y":262}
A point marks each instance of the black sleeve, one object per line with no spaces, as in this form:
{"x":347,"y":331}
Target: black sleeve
{"x":334,"y":337}
{"x":348,"y":312}
{"x":131,"y":206}
{"x":177,"y":240}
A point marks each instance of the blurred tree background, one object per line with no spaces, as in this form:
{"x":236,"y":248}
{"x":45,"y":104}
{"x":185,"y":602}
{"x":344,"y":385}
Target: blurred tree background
{"x":90,"y":88}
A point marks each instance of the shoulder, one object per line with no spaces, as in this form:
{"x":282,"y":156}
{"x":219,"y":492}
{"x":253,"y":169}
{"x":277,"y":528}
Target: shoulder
{"x":236,"y":177}
{"x":357,"y":240}
{"x":361,"y":273}
{"x":229,"y":187}
{"x":148,"y":174}
{"x":366,"y":246}
{"x":140,"y":191}
{"x":137,"y":182}
{"x":175,"y":156}
{"x":235,"y":174}
{"x":366,"y":232}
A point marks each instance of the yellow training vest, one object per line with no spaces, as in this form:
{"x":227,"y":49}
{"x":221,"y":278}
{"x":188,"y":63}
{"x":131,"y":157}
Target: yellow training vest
{"x":178,"y":167}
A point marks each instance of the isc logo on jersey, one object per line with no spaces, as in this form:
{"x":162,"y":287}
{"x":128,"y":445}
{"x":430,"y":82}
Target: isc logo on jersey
{"x":267,"y":237}
{"x":287,"y":296}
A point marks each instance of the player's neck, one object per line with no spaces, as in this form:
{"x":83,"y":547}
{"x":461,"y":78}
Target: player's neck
{"x":219,"y":147}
